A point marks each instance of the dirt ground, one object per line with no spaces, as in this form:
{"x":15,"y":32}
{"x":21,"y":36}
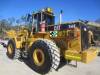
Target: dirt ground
{"x":16,"y":67}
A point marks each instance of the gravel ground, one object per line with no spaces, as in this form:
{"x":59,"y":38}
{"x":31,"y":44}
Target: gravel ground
{"x":16,"y":67}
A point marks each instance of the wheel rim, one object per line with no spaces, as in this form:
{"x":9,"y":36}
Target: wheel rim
{"x":10,"y":49}
{"x":38,"y":57}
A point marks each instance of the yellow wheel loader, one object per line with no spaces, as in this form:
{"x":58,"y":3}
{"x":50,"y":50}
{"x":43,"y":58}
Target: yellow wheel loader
{"x":45,"y":44}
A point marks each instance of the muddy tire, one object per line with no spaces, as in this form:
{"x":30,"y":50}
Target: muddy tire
{"x":49,"y":54}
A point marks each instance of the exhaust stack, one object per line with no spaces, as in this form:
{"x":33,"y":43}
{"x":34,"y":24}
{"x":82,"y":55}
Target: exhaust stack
{"x":60,"y":17}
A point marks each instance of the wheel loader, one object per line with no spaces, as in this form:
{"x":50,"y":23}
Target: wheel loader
{"x":45,"y":44}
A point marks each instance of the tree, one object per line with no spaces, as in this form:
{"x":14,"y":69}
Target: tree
{"x":11,"y":21}
{"x":97,"y":21}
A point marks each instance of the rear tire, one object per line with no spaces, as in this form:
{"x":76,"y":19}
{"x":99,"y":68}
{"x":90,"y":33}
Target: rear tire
{"x":51,"y":57}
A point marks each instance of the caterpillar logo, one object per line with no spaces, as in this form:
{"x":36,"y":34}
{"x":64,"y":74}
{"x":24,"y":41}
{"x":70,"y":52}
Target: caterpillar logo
{"x":53,"y":33}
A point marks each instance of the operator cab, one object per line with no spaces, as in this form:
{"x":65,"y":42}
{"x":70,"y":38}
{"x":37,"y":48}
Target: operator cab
{"x":42,"y":19}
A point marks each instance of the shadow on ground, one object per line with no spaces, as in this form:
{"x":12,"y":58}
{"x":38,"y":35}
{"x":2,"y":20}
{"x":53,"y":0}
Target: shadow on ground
{"x":62,"y":63}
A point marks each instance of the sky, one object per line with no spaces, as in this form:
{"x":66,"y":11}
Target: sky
{"x":72,"y":9}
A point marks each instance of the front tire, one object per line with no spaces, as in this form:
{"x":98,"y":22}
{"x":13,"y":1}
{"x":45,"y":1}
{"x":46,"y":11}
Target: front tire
{"x":12,"y":52}
{"x":11,"y":49}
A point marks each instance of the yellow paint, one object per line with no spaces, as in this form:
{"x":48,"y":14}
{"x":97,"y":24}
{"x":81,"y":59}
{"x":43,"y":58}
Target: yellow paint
{"x":38,"y":57}
{"x":72,"y":55}
{"x":10,"y":48}
{"x":70,"y":38}
{"x":85,"y":57}
{"x":49,"y":10}
{"x":89,"y":55}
